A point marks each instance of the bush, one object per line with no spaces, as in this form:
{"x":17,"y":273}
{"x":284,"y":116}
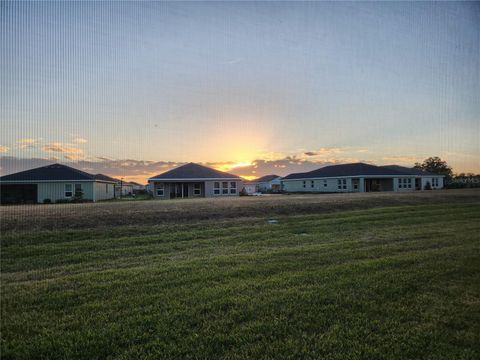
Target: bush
{"x":243,"y":192}
{"x":428,"y":186}
{"x":47,"y":201}
{"x":63,"y":201}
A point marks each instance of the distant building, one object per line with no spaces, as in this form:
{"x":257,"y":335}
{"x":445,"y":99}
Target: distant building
{"x":250,"y":187}
{"x":269,"y":183}
{"x":53,"y":183}
{"x":193,"y":181}
{"x":136,"y":187}
{"x":360,"y":177}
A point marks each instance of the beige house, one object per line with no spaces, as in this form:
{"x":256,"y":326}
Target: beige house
{"x":194,"y":181}
{"x":54,"y":183}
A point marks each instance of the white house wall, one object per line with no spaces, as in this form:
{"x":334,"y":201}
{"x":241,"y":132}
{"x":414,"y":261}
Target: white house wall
{"x":209,"y":188}
{"x":104,"y":191}
{"x":56,"y":190}
{"x":396,"y":184}
{"x":319,"y":185}
{"x":429,"y":179}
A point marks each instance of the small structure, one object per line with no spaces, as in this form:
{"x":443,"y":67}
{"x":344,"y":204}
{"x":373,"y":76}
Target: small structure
{"x":136,"y":187}
{"x":360,"y":177}
{"x":54,"y":183}
{"x":250,"y":187}
{"x":269,"y":183}
{"x":193,"y":181}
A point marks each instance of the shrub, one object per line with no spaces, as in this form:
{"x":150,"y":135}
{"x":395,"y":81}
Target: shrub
{"x":63,"y":201}
{"x":428,"y":186}
{"x":47,"y":201}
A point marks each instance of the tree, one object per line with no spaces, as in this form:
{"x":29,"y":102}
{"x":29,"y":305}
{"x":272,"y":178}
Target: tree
{"x":435,"y":165}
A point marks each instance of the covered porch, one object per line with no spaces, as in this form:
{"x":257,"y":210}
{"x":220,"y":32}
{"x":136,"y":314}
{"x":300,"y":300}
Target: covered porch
{"x":179,"y":189}
{"x":378,"y":184}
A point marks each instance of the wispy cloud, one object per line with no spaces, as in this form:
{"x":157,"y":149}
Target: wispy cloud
{"x":402,"y":159}
{"x":141,"y":170}
{"x":62,"y":148}
{"x":80,"y":140}
{"x":28,"y":143}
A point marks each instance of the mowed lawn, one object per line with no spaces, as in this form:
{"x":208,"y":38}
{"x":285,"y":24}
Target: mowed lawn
{"x":398,"y":281}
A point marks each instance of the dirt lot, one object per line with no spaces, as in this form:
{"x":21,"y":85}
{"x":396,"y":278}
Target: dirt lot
{"x":194,"y":210}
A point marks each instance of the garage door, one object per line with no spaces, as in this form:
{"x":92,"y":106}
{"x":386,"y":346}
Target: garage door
{"x":18,"y":193}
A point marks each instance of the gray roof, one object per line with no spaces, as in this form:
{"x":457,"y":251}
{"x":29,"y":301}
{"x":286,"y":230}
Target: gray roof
{"x":55,"y":172}
{"x":194,"y":171}
{"x":410,"y":171}
{"x":103,"y":177}
{"x":266,"y":178}
{"x":355,"y":169}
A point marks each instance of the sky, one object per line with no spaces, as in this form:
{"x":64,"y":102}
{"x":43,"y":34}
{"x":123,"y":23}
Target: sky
{"x":133,"y":89}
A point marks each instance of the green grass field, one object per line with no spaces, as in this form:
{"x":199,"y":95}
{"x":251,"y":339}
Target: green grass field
{"x":386,"y":282}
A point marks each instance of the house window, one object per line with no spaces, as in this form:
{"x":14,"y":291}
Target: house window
{"x":409,"y":183}
{"x":324,"y":183}
{"x":339,"y":184}
{"x":233,"y":187}
{"x":304,"y":184}
{"x":225,"y":187}
{"x":78,"y":190}
{"x":312,"y":184}
{"x":68,"y":190}
{"x":197,"y":190}
{"x":216,"y":188}
{"x":345,"y":184}
{"x":435,"y":182}
{"x":160,"y":190}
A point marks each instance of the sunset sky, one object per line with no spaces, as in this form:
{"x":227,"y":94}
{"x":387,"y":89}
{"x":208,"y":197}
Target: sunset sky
{"x":133,"y":89}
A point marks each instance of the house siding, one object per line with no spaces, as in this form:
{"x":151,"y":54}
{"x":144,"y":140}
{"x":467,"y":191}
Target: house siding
{"x":209,"y":186}
{"x":101,"y":192}
{"x":56,"y":190}
{"x":319,"y":185}
{"x":429,"y":179}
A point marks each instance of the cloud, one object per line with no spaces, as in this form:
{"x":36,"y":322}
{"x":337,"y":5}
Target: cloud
{"x":28,"y":143}
{"x":80,"y":140}
{"x":62,"y":148}
{"x":4,"y":149}
{"x":141,"y":170}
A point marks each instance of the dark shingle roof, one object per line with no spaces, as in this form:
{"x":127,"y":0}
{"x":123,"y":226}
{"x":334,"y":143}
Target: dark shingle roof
{"x":103,"y":177}
{"x":354,"y":169}
{"x":295,"y":176}
{"x":410,"y":171}
{"x":266,"y":178}
{"x":194,"y":171}
{"x":49,"y":172}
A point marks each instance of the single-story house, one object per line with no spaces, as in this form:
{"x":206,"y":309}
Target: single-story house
{"x":269,"y":183}
{"x":194,"y":180}
{"x":53,"y":183}
{"x":250,"y":187}
{"x":360,"y":177}
{"x":136,"y":187}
